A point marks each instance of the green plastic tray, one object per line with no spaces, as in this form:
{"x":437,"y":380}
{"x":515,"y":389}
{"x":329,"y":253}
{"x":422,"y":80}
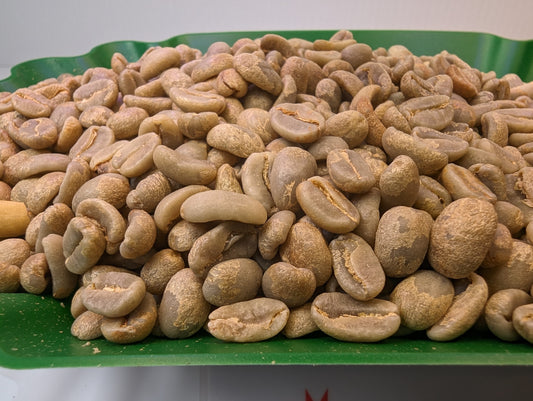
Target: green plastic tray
{"x":35,"y":330}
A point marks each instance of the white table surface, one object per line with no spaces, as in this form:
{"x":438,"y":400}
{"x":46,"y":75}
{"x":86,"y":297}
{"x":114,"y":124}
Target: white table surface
{"x":34,"y":29}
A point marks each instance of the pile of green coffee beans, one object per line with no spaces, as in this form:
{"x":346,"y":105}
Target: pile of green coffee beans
{"x":274,"y":186}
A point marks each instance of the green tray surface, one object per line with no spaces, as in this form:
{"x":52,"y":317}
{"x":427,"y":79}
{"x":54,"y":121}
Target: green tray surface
{"x":35,"y":330}
{"x":35,"y":333}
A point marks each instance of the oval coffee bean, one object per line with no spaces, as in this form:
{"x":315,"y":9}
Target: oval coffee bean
{"x":37,"y":133}
{"x":114,"y":294}
{"x":516,"y":273}
{"x":327,"y":207}
{"x":258,"y":72}
{"x":300,"y":322}
{"x":291,"y":166}
{"x":349,"y":171}
{"x":111,"y":187}
{"x":232,"y":281}
{"x":249,"y":321}
{"x":159,"y":269}
{"x":9,"y":278}
{"x":306,"y":247}
{"x":135,"y":158}
{"x":297,"y":122}
{"x":356,"y":267}
{"x":34,"y":274}
{"x":183,"y":309}
{"x":100,"y":92}
{"x":30,"y":103}
{"x":434,"y":111}
{"x":234,"y":139}
{"x":461,"y":237}
{"x":86,"y":326}
{"x":461,"y":183}
{"x":423,"y":299}
{"x":402,"y":240}
{"x":292,"y":285}
{"x":195,"y":101}
{"x":346,"y":319}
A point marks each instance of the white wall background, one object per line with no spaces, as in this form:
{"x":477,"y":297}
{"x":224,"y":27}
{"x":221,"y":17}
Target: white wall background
{"x":32,"y":29}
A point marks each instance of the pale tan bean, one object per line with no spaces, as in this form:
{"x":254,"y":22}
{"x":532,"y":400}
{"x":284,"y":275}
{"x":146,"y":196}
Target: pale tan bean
{"x":223,"y":205}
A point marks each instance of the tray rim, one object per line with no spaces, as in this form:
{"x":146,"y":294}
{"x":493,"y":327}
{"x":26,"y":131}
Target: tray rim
{"x":253,"y":33}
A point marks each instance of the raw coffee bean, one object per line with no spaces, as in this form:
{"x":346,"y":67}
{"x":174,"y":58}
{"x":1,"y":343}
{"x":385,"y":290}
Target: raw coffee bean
{"x":499,"y":310}
{"x":423,"y":299}
{"x":346,"y":319}
{"x":248,"y":321}
{"x":183,"y":309}
{"x":292,"y":285}
{"x":291,"y":166}
{"x":461,"y":237}
{"x":114,"y":294}
{"x":306,"y":247}
{"x":356,"y":267}
{"x":402,"y":240}
{"x":232,"y":281}
{"x":327,"y":207}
